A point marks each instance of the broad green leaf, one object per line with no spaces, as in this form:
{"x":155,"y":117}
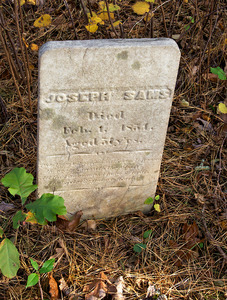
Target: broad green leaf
{"x":1,"y":232}
{"x":46,"y":208}
{"x":18,"y":217}
{"x":139,"y":247}
{"x":9,"y":262}
{"x":218,"y":71}
{"x":147,"y":234}
{"x":34,"y":264}
{"x":32,"y":279}
{"x":222,"y":108}
{"x":157,"y":207}
{"x":47,"y":266}
{"x":149,"y":200}
{"x":19,"y":183}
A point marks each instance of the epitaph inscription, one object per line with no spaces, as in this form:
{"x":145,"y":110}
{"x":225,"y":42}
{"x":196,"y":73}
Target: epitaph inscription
{"x":103,"y":118}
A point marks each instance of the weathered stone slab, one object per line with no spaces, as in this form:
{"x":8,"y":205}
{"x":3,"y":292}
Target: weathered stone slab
{"x":103,"y":113}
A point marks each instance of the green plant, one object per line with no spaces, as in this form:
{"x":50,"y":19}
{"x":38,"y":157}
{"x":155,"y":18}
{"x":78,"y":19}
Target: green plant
{"x":139,"y":247}
{"x":34,"y":278}
{"x":191,"y":21}
{"x":40,"y":211}
{"x":151,"y":200}
{"x":218,"y":71}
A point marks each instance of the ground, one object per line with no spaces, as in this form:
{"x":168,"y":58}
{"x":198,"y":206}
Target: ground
{"x":185,"y":256}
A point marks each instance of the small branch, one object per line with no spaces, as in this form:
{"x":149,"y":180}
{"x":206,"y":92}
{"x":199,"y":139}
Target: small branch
{"x":41,"y":291}
{"x":211,"y":238}
{"x":70,"y":15}
{"x":11,"y":69}
{"x":111,"y":22}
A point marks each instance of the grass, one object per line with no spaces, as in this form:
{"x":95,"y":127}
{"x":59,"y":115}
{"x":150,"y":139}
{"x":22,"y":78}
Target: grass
{"x":196,"y":134}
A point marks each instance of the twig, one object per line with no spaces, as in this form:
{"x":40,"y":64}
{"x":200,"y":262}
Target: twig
{"x":211,"y":238}
{"x":11,"y":69}
{"x":40,"y":288}
{"x":164,"y":20}
{"x":23,"y":56}
{"x":111,"y":23}
{"x":151,"y":33}
{"x":84,"y":10}
{"x":70,"y":15}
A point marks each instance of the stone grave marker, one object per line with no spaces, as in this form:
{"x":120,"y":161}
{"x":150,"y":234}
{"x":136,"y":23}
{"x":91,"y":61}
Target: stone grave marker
{"x":103,"y":114}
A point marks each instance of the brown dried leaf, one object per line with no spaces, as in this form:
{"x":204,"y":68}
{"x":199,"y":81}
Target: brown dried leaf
{"x":54,"y":292}
{"x":66,"y":225}
{"x":64,"y":287}
{"x":120,"y":284}
{"x":4,"y":207}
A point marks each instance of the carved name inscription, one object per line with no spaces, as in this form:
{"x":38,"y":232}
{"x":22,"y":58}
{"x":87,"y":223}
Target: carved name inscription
{"x":103,"y":121}
{"x":106,"y":96}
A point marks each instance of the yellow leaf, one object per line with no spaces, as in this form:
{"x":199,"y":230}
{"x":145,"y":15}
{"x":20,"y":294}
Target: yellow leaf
{"x":34,"y":47}
{"x":32,"y":2}
{"x":43,"y":21}
{"x":117,"y":23}
{"x":222,"y":108}
{"x":92,"y":27}
{"x":30,"y":218}
{"x":141,"y":8}
{"x":157,"y":207}
{"x":152,"y":1}
{"x":31,"y":67}
{"x":104,"y":16}
{"x":102,"y":5}
{"x":96,"y":20}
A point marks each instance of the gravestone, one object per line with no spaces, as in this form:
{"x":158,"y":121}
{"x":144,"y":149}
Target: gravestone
{"x":103,"y":114}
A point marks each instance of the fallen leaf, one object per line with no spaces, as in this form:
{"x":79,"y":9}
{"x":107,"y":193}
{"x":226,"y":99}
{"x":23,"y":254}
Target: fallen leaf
{"x":64,"y":287}
{"x":31,"y":2}
{"x":120,"y":284}
{"x":43,"y":21}
{"x":141,"y":8}
{"x":104,"y":15}
{"x":54,"y":292}
{"x":91,"y":225}
{"x":4,"y":207}
{"x":66,"y":225}
{"x":99,"y":288}
{"x":222,"y":108}
{"x":157,"y":207}
{"x":34,"y":47}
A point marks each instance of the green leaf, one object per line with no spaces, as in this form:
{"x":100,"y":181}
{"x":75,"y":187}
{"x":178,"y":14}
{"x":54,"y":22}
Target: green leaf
{"x":34,"y":264}
{"x":18,"y":217}
{"x":1,"y":232}
{"x":46,"y":208}
{"x":147,"y":234}
{"x":113,"y":7}
{"x":47,"y":266}
{"x":149,"y":201}
{"x":32,"y":279}
{"x":157,"y":197}
{"x":201,"y":245}
{"x":157,"y":207}
{"x":139,"y":247}
{"x":9,"y":262}
{"x":218,"y":71}
{"x":19,"y":183}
